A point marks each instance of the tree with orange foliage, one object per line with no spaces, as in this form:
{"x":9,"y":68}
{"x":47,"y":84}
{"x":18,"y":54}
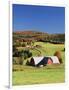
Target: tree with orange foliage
{"x":58,"y":54}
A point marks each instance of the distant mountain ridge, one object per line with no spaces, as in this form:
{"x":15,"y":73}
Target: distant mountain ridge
{"x":39,"y":36}
{"x":29,"y":32}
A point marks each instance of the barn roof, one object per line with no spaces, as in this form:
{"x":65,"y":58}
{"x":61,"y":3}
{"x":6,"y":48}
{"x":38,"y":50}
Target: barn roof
{"x":37,"y":59}
{"x":55,"y":59}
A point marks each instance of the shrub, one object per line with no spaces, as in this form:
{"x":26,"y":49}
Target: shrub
{"x":17,"y":60}
{"x":23,"y":44}
{"x":21,"y":61}
{"x":14,"y":60}
{"x":58,"y":54}
{"x":27,"y":63}
{"x":20,"y":56}
{"x":29,"y":54}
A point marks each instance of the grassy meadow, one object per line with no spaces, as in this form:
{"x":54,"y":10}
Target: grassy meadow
{"x":26,"y":75}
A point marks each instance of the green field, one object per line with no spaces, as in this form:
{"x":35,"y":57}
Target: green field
{"x":26,"y":75}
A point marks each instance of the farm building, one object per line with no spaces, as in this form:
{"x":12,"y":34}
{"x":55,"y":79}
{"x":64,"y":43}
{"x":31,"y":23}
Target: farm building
{"x":37,"y":61}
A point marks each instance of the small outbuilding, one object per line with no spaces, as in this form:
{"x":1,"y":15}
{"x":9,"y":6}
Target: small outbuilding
{"x":37,"y":61}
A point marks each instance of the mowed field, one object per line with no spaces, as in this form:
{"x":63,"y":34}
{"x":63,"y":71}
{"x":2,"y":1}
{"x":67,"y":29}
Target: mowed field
{"x":26,"y":75}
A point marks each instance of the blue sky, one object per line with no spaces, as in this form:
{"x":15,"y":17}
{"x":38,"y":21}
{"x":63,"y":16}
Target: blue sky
{"x":38,"y":18}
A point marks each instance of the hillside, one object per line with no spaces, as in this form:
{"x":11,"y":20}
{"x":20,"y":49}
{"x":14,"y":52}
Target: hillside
{"x":39,"y":36}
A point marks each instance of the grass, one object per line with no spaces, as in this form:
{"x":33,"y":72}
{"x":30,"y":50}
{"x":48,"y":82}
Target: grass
{"x":31,"y":75}
{"x":26,"y":75}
